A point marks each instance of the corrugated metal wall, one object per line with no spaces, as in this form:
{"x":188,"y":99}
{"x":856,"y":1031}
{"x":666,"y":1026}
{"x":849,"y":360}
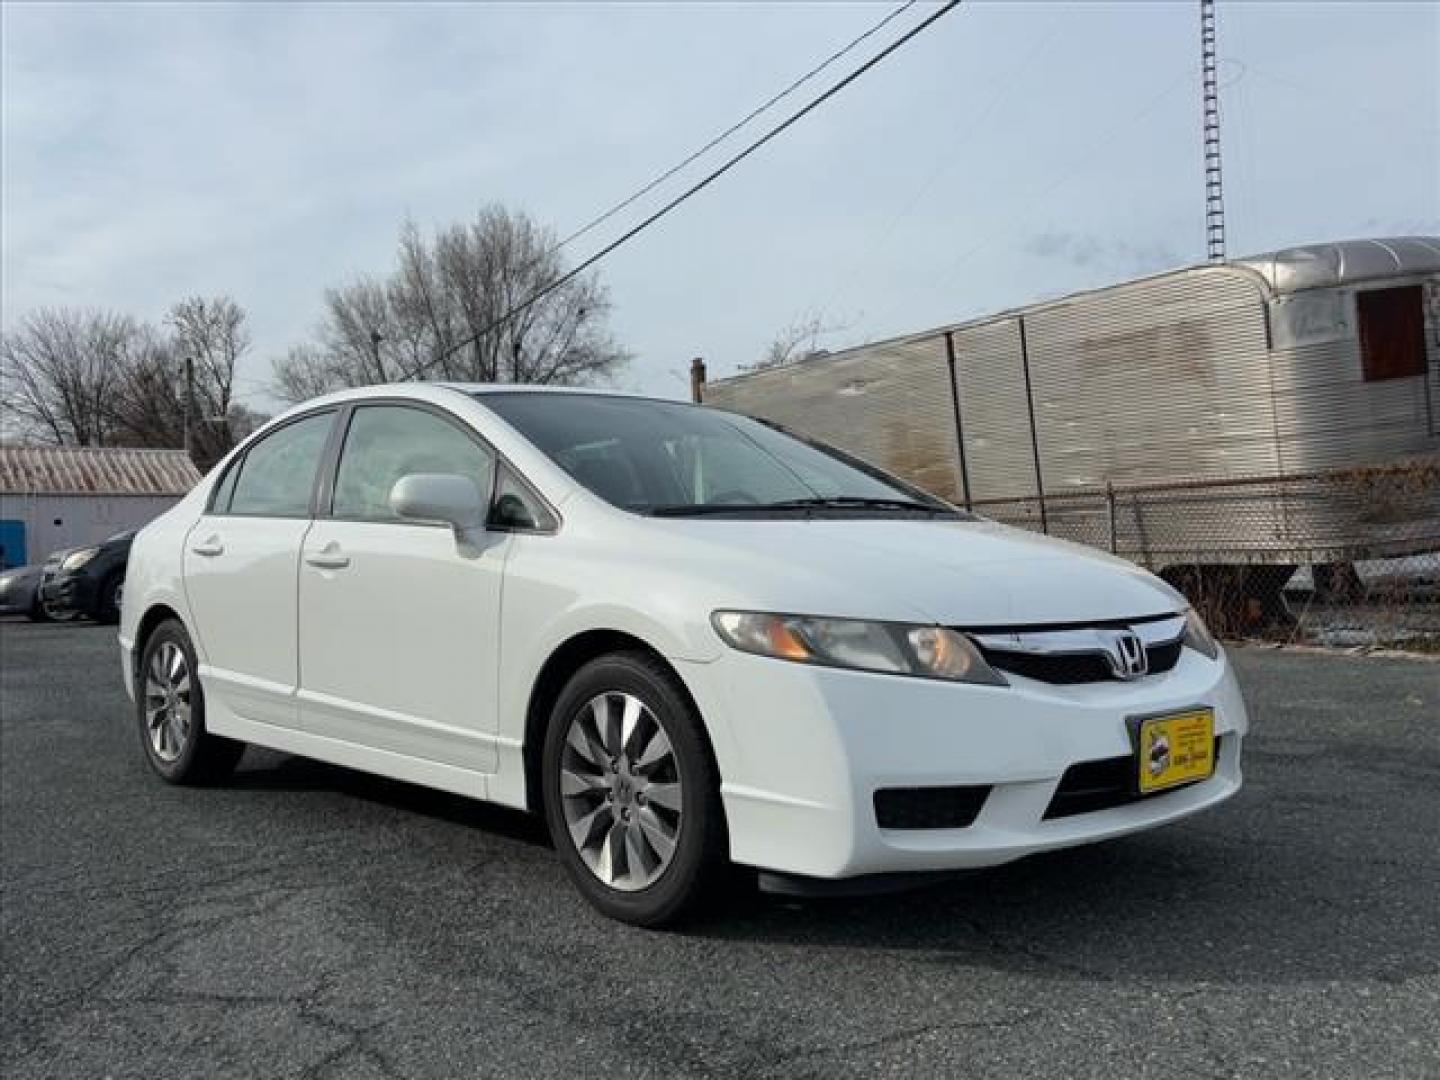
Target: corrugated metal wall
{"x":1162,"y":379}
{"x":1328,"y":416}
{"x":990,"y":381}
{"x":889,"y":404}
{"x":1165,"y":379}
{"x":1155,"y":383}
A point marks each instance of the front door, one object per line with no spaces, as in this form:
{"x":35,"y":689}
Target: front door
{"x":399,"y":619}
{"x":240,"y":566}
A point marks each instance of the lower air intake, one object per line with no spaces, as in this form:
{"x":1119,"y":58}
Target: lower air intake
{"x":929,"y":807}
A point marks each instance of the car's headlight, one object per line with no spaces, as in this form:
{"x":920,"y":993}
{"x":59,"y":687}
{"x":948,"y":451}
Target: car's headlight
{"x":932,"y":652}
{"x":1197,"y":635}
{"x":76,"y":559}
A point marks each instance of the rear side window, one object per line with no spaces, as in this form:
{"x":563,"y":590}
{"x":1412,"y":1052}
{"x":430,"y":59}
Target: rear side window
{"x":387,"y":442}
{"x":1392,"y":332}
{"x":278,"y":473}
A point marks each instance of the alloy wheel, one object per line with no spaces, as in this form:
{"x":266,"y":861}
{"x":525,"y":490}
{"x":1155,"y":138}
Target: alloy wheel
{"x":167,"y":701}
{"x":621,"y":788}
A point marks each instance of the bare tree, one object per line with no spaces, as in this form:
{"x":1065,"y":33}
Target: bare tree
{"x":59,"y":370}
{"x":798,"y":341}
{"x":307,"y":371}
{"x":212,"y":333}
{"x":96,"y":378}
{"x":148,"y":407}
{"x":434,"y":315}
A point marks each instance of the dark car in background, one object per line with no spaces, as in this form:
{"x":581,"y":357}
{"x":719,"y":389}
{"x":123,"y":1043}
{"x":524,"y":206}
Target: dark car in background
{"x":86,"y":581}
{"x":20,"y":592}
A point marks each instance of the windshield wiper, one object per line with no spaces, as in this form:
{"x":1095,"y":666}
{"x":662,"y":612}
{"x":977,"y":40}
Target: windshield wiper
{"x":830,"y":502}
{"x":698,"y":509}
{"x":857,"y":502}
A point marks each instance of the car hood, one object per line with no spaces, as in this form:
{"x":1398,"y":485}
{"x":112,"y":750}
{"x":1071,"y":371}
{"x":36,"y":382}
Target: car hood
{"x":957,"y":573}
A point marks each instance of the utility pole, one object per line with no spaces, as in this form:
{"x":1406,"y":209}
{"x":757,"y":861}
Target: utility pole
{"x":375,"y":339}
{"x":1210,"y":92}
{"x":189,"y":403}
{"x":697,"y":379}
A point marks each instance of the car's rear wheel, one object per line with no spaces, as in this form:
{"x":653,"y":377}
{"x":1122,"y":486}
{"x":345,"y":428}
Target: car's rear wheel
{"x":170,"y":709}
{"x":632,"y":795}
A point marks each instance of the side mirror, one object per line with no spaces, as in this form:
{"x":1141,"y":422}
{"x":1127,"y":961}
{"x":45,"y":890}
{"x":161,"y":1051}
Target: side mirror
{"x":455,"y":500}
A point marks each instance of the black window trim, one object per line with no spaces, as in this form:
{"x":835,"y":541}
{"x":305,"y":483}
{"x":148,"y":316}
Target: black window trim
{"x":324,"y":502}
{"x":238,"y":465}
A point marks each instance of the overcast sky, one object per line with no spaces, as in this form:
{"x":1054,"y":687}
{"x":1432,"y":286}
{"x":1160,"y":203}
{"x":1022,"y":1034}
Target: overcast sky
{"x":1013,"y":151}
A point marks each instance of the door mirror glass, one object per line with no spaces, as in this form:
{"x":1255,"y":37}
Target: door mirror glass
{"x":446,"y":497}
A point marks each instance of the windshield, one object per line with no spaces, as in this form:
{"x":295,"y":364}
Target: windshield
{"x":671,"y":458}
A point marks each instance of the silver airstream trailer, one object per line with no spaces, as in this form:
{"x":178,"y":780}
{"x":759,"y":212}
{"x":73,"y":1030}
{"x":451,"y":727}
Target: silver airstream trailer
{"x":1263,"y":413}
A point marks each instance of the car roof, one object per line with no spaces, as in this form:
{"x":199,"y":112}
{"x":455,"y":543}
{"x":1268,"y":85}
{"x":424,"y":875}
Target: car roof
{"x":482,"y":390}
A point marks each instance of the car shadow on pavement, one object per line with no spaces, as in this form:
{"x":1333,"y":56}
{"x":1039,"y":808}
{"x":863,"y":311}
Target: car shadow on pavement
{"x":1162,"y":907}
{"x":1216,"y":900}
{"x":267,"y":770}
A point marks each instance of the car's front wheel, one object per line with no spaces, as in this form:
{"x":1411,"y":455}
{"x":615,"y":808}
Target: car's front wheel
{"x":38,"y":612}
{"x":631,"y":792}
{"x":170,"y":709}
{"x":112,"y":591}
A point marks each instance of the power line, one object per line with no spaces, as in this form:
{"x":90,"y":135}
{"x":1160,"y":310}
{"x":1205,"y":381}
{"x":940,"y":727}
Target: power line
{"x":718,"y":139}
{"x":1095,"y":148}
{"x":943,"y":164}
{"x":694,"y":189}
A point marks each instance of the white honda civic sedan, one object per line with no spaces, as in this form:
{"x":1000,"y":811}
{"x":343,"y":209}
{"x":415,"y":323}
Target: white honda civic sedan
{"x":687,"y":638}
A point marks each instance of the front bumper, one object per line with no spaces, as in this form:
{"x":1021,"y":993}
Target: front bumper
{"x":802,"y":750}
{"x":68,"y":593}
{"x":13,"y":599}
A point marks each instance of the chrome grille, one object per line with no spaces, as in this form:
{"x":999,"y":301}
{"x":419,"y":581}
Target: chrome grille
{"x":1072,"y":655}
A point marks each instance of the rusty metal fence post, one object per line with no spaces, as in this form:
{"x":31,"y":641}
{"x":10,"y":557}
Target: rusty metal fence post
{"x":959,"y":422}
{"x":1034,"y":433}
{"x":1110,"y":504}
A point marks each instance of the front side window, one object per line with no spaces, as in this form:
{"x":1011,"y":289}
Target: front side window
{"x":278,"y":473}
{"x":671,"y":458}
{"x":387,"y":442}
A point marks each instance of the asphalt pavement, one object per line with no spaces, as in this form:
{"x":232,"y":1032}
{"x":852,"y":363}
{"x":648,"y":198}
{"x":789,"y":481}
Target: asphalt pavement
{"x":308,"y":921}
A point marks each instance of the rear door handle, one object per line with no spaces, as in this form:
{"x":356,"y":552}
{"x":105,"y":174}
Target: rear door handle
{"x":210,"y":548}
{"x":328,"y":560}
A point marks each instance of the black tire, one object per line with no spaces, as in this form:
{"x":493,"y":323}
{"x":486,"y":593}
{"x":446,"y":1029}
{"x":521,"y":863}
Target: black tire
{"x":37,"y":612}
{"x":107,"y":608}
{"x":696,"y":872}
{"x":200,"y":758}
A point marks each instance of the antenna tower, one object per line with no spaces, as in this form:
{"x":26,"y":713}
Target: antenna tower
{"x":1214,"y":189}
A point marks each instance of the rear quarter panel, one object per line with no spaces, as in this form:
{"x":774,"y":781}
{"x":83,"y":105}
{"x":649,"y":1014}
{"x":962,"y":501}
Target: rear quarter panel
{"x":153,"y":576}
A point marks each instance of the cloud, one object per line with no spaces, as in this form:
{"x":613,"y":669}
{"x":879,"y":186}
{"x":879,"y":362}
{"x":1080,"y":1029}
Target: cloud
{"x":269,"y":151}
{"x":1123,"y":258}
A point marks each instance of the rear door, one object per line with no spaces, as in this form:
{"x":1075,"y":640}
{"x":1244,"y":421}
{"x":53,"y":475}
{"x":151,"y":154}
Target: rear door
{"x":241,"y":561}
{"x":399,"y":620}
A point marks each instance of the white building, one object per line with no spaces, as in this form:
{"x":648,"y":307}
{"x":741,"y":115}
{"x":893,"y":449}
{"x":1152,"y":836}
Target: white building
{"x":54,"y":497}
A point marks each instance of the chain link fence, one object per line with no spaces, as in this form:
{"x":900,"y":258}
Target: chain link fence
{"x":1343,"y":558}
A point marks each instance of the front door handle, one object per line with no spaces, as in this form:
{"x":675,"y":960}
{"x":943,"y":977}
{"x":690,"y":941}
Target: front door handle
{"x":210,"y":548}
{"x":328,"y":560}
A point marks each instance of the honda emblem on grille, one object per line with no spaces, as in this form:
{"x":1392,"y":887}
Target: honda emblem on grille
{"x":1126,"y":653}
